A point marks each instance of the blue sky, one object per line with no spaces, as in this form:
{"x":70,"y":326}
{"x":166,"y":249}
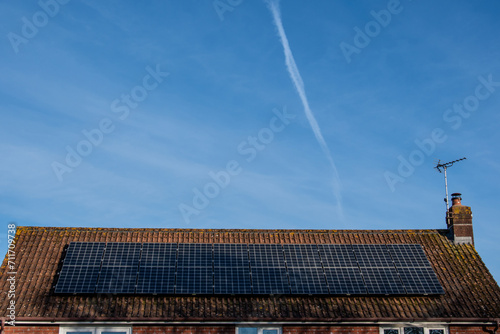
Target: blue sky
{"x":120,"y":114}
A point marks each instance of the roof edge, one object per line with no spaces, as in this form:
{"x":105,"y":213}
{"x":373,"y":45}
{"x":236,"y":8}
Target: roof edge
{"x":304,"y":321}
{"x":201,"y":230}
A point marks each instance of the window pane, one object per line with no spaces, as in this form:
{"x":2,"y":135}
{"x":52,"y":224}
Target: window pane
{"x":113,"y":332}
{"x":72,"y":332}
{"x":414,"y":330}
{"x":248,"y":330}
{"x":270,"y":331}
{"x":391,"y":331}
{"x":436,"y":331}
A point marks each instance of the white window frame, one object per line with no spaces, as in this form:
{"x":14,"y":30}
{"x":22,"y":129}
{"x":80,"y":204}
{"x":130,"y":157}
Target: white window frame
{"x":260,"y":329}
{"x":426,"y":326}
{"x":93,"y":329}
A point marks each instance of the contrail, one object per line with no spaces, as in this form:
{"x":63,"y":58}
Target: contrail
{"x":299,"y":86}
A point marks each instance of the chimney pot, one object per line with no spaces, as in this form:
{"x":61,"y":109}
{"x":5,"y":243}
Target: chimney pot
{"x":456,"y":199}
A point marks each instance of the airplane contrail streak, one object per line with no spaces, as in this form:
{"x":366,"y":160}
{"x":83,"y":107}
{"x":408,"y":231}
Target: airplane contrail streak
{"x":299,"y":86}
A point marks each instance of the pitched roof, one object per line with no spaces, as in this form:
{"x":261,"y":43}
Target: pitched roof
{"x":470,"y":290}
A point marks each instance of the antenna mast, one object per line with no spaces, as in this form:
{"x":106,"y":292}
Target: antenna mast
{"x":444,"y":166}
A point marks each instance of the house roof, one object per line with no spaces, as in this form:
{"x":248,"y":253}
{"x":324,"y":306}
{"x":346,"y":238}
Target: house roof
{"x":470,"y":290}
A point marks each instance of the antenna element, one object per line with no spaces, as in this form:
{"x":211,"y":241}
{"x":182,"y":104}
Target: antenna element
{"x":444,"y":166}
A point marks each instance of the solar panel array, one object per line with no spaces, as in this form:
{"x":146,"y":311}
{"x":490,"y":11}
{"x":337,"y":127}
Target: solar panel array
{"x":261,"y":269}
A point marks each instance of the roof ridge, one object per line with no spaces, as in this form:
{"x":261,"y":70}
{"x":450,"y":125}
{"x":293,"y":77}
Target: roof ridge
{"x":228,"y":230}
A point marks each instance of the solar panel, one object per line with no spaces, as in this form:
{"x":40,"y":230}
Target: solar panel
{"x":378,"y":270}
{"x":307,"y":280}
{"x":231,"y":269}
{"x":269,"y":274}
{"x":420,"y":280}
{"x":194,"y":269}
{"x":337,"y":256}
{"x":382,"y":281}
{"x":341,"y":270}
{"x":301,"y":256}
{"x":372,"y":256}
{"x":119,"y":268}
{"x":157,"y":268}
{"x":345,"y":281}
{"x":408,"y":256}
{"x":414,"y":269}
{"x":304,"y":269}
{"x":169,"y":268}
{"x":80,"y":269}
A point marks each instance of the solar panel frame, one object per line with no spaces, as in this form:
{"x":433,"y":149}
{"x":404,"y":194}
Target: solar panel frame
{"x":119,"y":268}
{"x":81,"y":267}
{"x":157,"y":269}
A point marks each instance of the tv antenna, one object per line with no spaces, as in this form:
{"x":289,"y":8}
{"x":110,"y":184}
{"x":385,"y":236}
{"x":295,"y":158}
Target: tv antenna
{"x":445,"y":166}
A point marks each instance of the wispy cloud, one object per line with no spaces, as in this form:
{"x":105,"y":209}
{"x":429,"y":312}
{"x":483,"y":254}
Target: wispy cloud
{"x":294,"y":72}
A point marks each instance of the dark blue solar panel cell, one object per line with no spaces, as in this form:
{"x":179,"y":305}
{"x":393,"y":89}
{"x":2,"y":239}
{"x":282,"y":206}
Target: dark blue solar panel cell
{"x":77,"y":279}
{"x":157,"y":268}
{"x":195,"y":255}
{"x":301,"y":256}
{"x":378,"y":270}
{"x":307,"y":280}
{"x":345,"y":281}
{"x":304,"y":269}
{"x":231,"y":269}
{"x":337,"y":256}
{"x":266,"y":255}
{"x":119,"y":268}
{"x":414,"y":269}
{"x":269,"y":280}
{"x":408,"y":256}
{"x":384,"y":281}
{"x":194,"y":269}
{"x":194,"y":280}
{"x":81,"y":267}
{"x":235,"y":280}
{"x":84,"y":254}
{"x":231,"y":255}
{"x":341,"y":270}
{"x":376,"y":256}
{"x":268,"y":267}
{"x":421,"y":280}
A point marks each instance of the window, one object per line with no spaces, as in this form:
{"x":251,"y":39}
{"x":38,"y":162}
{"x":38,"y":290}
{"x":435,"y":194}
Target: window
{"x":96,"y":330}
{"x":413,"y":329}
{"x":260,"y":330}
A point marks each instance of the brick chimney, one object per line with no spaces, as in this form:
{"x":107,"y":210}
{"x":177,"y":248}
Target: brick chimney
{"x":459,"y":221}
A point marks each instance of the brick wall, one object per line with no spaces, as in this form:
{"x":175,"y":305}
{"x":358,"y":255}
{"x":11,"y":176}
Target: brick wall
{"x":232,"y":330}
{"x":472,"y":329}
{"x":183,"y":330}
{"x":330,"y":329}
{"x":31,"y":330}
